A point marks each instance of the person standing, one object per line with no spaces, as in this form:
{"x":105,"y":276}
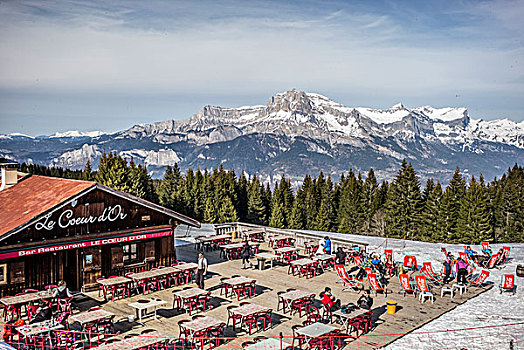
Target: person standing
{"x":327,"y":245}
{"x":340,"y":256}
{"x":462,"y":271}
{"x":246,"y":254}
{"x":447,"y":267}
{"x":321,"y":244}
{"x":202,"y":270}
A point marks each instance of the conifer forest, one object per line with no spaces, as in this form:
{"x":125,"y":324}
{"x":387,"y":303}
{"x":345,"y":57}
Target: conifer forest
{"x":461,"y":212}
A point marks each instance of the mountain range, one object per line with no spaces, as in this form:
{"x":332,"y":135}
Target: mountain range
{"x":293,"y":134}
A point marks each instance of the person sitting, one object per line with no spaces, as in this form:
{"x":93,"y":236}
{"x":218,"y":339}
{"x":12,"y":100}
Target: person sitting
{"x":340,"y":257}
{"x":362,"y":272}
{"x":471,"y":253}
{"x":43,"y":313}
{"x":327,"y":245}
{"x":62,"y":292}
{"x":377,"y":264}
{"x":487,"y":252}
{"x":365,"y":301}
{"x":329,"y":300}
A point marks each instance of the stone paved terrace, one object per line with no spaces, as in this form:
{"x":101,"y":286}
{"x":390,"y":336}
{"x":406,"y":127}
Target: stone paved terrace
{"x":410,"y":315}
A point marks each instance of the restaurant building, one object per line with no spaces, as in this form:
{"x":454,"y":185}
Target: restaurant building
{"x":53,"y":229}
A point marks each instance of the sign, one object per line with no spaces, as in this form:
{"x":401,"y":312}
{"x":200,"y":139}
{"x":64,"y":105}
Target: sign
{"x":87,"y":244}
{"x":66,"y":219}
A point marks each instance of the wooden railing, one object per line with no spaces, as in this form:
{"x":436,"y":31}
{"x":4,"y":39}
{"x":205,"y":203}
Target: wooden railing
{"x":299,"y":236}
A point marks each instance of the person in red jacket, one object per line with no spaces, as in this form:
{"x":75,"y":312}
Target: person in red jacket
{"x":329,"y":300}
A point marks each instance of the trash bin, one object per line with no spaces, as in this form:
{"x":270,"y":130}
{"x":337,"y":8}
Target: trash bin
{"x":261,"y":264}
{"x":391,"y":306}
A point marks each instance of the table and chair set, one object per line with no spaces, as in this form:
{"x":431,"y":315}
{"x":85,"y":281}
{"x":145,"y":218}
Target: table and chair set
{"x":144,"y":281}
{"x":233,"y":251}
{"x":208,"y":243}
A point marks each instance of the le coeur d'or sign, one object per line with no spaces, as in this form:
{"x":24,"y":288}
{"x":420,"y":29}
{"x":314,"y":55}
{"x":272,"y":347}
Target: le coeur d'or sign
{"x":66,"y":219}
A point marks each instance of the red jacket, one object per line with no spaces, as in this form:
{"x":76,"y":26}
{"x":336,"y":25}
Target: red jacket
{"x":327,"y":300}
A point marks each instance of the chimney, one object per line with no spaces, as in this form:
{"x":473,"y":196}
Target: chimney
{"x":9,"y":173}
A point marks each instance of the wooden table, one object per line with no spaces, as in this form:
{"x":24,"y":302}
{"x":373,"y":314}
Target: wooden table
{"x":114,"y":282}
{"x":210,"y":240}
{"x":269,"y":344}
{"x":248,"y":309}
{"x":315,"y":330}
{"x":202,"y":323}
{"x":264,"y":257}
{"x":192,"y":293}
{"x":185,"y":266}
{"x":324,"y":259}
{"x":227,"y":248}
{"x":141,"y":308}
{"x":36,"y":329}
{"x":91,"y":316}
{"x":238,"y":280}
{"x":294,"y":295}
{"x":345,"y":318}
{"x":301,"y":263}
{"x":135,"y":343}
{"x":26,"y":298}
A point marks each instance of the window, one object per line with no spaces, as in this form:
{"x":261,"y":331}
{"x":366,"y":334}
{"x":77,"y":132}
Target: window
{"x":130,"y":253}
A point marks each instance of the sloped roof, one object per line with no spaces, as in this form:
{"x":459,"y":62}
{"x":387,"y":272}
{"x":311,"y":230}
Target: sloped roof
{"x":36,"y":195}
{"x":33,"y":196}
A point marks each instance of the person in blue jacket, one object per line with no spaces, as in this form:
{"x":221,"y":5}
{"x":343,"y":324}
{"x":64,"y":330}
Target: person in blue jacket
{"x":470,"y":251}
{"x":327,"y":245}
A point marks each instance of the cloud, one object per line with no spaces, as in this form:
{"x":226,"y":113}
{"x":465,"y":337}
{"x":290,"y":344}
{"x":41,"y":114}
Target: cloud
{"x":256,"y":48}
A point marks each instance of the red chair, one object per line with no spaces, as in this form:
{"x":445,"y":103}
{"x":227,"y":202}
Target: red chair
{"x":313,"y":314}
{"x":406,"y":284}
{"x":232,"y":316}
{"x":373,"y":283}
{"x":101,"y":287}
{"x":106,"y":325}
{"x":239,"y":289}
{"x":410,"y":262}
{"x":32,"y":310}
{"x":13,"y":310}
{"x":182,"y":331}
{"x":463,"y":256}
{"x":90,"y":329}
{"x":507,"y":284}
{"x":424,"y":289}
{"x":265,"y":317}
{"x":203,"y":300}
{"x":251,"y":322}
{"x":224,"y":286}
{"x":251,"y":288}
{"x":388,"y":253}
{"x":346,"y":280}
{"x":327,"y":313}
{"x":281,"y":301}
{"x":298,"y":337}
{"x":64,"y":305}
{"x":505,"y":254}
{"x":189,"y":304}
{"x":427,"y":271}
{"x":492,"y":261}
{"x":484,"y":245}
{"x":216,"y":334}
{"x":298,"y":305}
{"x":479,"y":281}
{"x":365,"y":322}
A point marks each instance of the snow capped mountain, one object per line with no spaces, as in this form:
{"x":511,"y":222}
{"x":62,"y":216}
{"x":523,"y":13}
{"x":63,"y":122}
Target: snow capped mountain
{"x":296,"y":133}
{"x":76,"y":133}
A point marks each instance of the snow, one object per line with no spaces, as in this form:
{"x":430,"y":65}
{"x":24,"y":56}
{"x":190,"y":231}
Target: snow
{"x":76,"y":133}
{"x":380,"y":116}
{"x":443,"y":114}
{"x":488,"y":309}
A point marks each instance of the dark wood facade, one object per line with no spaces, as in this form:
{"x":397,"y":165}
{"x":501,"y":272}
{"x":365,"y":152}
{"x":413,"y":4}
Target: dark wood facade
{"x":99,"y":233}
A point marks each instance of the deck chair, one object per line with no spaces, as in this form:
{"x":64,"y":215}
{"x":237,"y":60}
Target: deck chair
{"x":429,"y":268}
{"x":505,"y":254}
{"x":492,"y":261}
{"x":410,"y":262}
{"x":373,"y":283}
{"x":406,"y":285}
{"x":431,"y":277}
{"x":507,"y":284}
{"x":388,"y":253}
{"x":358,"y":261}
{"x":479,"y":281}
{"x":346,"y":280}
{"x":464,"y":256}
{"x":443,"y":250}
{"x":484,"y":245}
{"x":422,"y":286}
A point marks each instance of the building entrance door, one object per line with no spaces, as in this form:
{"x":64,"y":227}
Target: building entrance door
{"x":71,"y":269}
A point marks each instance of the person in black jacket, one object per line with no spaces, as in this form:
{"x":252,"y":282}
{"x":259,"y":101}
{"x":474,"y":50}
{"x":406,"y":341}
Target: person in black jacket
{"x":340,"y":257}
{"x":62,"y":292}
{"x":246,"y":254}
{"x":43,"y":313}
{"x":365,"y":301}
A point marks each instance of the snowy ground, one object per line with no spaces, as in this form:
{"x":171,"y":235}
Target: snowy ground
{"x":488,"y":309}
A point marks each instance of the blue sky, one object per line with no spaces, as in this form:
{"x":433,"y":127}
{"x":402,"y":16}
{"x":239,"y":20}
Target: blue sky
{"x":107,"y":65}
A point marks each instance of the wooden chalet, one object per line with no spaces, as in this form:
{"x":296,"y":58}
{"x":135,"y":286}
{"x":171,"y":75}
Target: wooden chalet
{"x":53,"y":229}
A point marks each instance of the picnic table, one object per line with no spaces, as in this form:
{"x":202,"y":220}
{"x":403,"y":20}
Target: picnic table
{"x":26,"y":298}
{"x":135,"y":343}
{"x":142,"y":305}
{"x":315,"y":330}
{"x":209,"y":241}
{"x":114,"y":282}
{"x":232,"y":251}
{"x":238,"y":283}
{"x":324,"y":259}
{"x":280,"y":241}
{"x":254,"y":235}
{"x":32,"y":330}
{"x":302,"y":263}
{"x":262,"y":257}
{"x":292,"y":296}
{"x":153,"y":275}
{"x":202,"y":323}
{"x":286,"y":252}
{"x":91,"y":316}
{"x":269,"y":344}
{"x":345,"y":318}
{"x":185,"y":298}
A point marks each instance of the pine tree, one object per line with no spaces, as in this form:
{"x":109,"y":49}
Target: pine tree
{"x":210,"y":215}
{"x":227,"y":211}
{"x":256,"y":209}
{"x":88,"y":172}
{"x":166,"y":189}
{"x":298,"y":218}
{"x":404,"y":204}
{"x":371,"y":199}
{"x":430,"y":213}
{"x":450,"y":206}
{"x":474,"y":222}
{"x":351,"y":215}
